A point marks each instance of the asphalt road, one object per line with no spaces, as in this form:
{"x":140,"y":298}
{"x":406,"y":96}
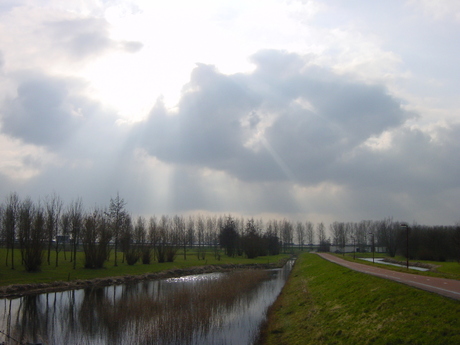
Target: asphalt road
{"x":446,"y":287}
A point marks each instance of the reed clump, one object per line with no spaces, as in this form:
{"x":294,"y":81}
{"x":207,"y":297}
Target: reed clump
{"x":169,"y":315}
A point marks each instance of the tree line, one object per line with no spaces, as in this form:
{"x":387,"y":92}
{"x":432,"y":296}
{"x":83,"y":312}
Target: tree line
{"x":39,"y":228}
{"x":420,"y":242}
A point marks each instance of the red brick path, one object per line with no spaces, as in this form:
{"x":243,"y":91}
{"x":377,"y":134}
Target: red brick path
{"x":446,"y":287}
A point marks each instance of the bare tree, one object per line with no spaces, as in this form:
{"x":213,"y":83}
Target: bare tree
{"x":153,"y":234}
{"x":277,"y":230}
{"x":173,"y":238}
{"x":140,"y":232}
{"x":31,"y":235}
{"x":88,"y":237}
{"x":321,"y":233}
{"x":75,"y":212}
{"x":95,"y":237}
{"x":191,"y":231}
{"x":140,"y":238}
{"x":162,"y":243}
{"x":309,"y":231}
{"x":251,"y":240}
{"x":211,"y":235}
{"x":200,"y":233}
{"x":287,"y":234}
{"x":362,"y":231}
{"x":228,"y":237}
{"x":272,"y":238}
{"x":300,"y":232}
{"x":53,"y":206}
{"x":240,"y":226}
{"x":2,"y":229}
{"x":456,"y":241}
{"x":65,"y":225}
{"x":130,"y":249}
{"x":388,"y":233}
{"x":168,"y":240}
{"x":180,"y":229}
{"x":117,"y":214}
{"x":339,"y":234}
{"x":10,"y":219}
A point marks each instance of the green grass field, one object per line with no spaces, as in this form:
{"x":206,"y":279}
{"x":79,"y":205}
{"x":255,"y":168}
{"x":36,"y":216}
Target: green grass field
{"x":324,"y":303}
{"x":65,"y":271}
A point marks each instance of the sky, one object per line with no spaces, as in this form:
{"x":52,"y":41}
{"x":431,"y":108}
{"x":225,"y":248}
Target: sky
{"x":331,"y":110}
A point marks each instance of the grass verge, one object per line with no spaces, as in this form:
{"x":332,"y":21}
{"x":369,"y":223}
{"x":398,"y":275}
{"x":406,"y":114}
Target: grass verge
{"x":324,"y":303}
{"x":65,"y":272}
{"x":445,"y":269}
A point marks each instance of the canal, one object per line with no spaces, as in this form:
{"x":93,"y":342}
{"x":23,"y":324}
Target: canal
{"x":215,"y":308}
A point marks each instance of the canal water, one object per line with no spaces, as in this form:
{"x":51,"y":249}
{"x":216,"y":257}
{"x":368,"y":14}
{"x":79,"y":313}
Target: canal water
{"x":216,"y":308}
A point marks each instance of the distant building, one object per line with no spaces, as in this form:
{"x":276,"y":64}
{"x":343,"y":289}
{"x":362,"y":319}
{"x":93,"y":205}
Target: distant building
{"x":63,"y":238}
{"x":351,"y":249}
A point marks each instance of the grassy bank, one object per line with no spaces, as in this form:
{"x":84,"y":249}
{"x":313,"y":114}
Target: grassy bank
{"x":65,"y":272}
{"x":445,"y":269}
{"x":324,"y":303}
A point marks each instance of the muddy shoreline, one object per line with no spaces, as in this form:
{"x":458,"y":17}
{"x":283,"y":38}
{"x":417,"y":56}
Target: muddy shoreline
{"x":19,"y":290}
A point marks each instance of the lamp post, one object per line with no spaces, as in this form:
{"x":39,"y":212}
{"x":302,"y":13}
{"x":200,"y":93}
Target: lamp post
{"x":407,"y":227}
{"x":373,"y":248}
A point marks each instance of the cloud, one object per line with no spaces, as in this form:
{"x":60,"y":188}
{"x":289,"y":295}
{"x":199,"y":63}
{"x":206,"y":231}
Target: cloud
{"x":207,"y":130}
{"x":44,"y":112}
{"x":79,"y":37}
{"x":288,"y":138}
{"x":294,"y":138}
{"x":286,"y":120}
{"x":131,"y":46}
{"x":7,"y":5}
{"x":55,"y":113}
{"x":440,"y":9}
{"x":85,"y":37}
{"x":57,"y":39}
{"x":322,"y":127}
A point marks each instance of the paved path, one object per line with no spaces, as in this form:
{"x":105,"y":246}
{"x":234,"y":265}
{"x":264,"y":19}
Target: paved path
{"x":446,"y":287}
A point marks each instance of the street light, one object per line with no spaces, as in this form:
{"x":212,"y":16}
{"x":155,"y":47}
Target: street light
{"x":373,"y":248}
{"x":407,"y":227}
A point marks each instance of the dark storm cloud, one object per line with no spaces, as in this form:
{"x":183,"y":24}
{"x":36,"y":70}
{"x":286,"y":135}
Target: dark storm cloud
{"x":219,"y":114}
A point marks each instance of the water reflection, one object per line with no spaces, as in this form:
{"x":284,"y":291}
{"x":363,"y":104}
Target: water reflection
{"x":204,"y":309}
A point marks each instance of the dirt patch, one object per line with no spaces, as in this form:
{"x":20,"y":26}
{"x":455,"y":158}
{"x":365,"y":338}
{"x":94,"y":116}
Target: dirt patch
{"x":14,"y":291}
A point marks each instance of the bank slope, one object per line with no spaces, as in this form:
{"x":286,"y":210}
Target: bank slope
{"x":324,"y":303}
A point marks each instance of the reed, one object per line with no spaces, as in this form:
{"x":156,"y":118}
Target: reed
{"x":186,"y":313}
{"x":169,"y":313}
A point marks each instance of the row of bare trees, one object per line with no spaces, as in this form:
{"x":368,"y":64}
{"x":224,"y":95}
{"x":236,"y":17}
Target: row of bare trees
{"x":420,"y":242}
{"x":30,"y":227}
{"x":39,"y":228}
